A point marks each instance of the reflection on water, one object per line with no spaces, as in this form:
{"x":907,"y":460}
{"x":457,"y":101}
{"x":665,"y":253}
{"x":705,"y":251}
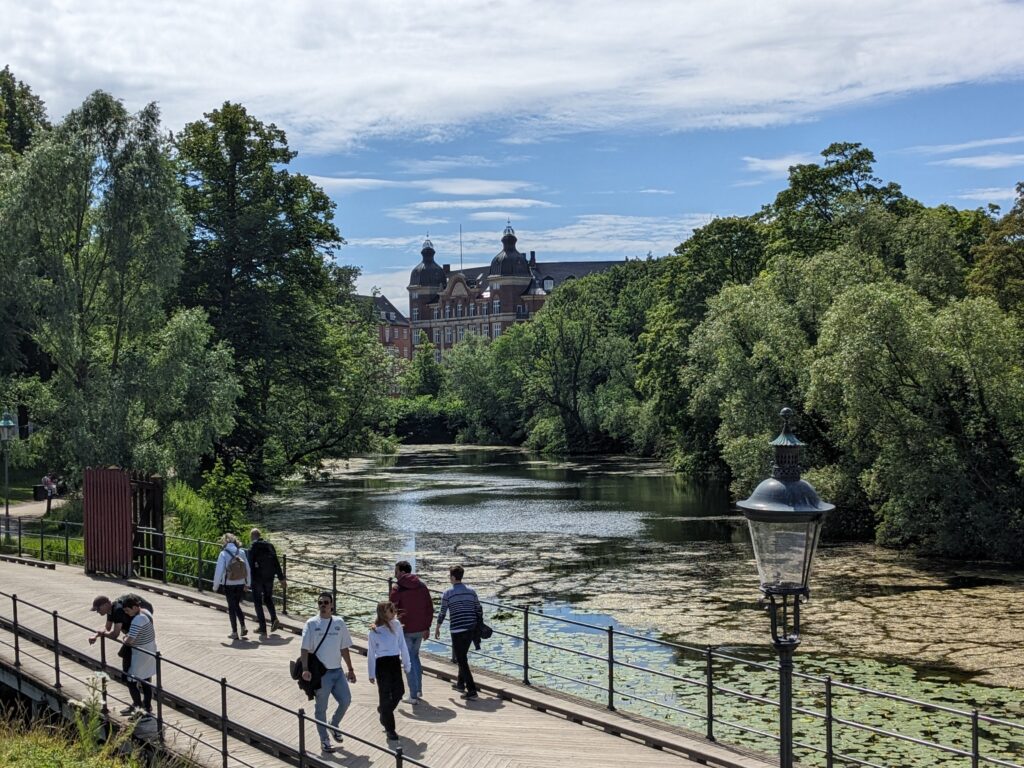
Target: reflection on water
{"x":632,"y":544}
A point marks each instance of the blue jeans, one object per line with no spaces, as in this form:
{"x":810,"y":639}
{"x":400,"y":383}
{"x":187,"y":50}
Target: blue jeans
{"x":333,"y":683}
{"x":413,"y":640}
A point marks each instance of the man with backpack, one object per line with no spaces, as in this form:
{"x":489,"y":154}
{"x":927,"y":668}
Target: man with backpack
{"x":233,"y":575}
{"x":119,"y":622}
{"x":265,"y":566}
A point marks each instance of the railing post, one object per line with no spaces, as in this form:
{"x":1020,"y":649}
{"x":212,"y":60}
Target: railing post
{"x":199,"y":565}
{"x":391,"y":585}
{"x":302,"y":738}
{"x":19,"y":537}
{"x":829,"y":748}
{"x":103,"y":652}
{"x":163,"y":556}
{"x":611,"y":667}
{"x":526,"y":645}
{"x":17,"y":644}
{"x":42,"y":543}
{"x":224,"y":721}
{"x":56,"y":653}
{"x":103,"y":693}
{"x":284,"y":587}
{"x":975,"y":740}
{"x":786,"y":704}
{"x":67,"y":545}
{"x":399,"y":759}
{"x":334,"y":587}
{"x":159,"y":697}
{"x":709,"y":679}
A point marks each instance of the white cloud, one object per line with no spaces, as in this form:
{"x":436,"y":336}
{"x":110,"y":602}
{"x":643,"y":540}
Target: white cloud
{"x":778,"y":167}
{"x":336,"y":74}
{"x":945,"y":149}
{"x":653,"y":191}
{"x":443,"y":163}
{"x":472,"y":186}
{"x":343,"y":185}
{"x":506,"y":202}
{"x":983,"y":162}
{"x":495,"y":216}
{"x":989,"y":194}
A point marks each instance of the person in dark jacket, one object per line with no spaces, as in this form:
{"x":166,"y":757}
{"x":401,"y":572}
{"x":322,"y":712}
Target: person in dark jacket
{"x":118,"y":622}
{"x":415,"y":608}
{"x":265,"y":566}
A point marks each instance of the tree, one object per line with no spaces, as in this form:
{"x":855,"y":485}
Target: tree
{"x":998,"y":271}
{"x":928,"y":405}
{"x":425,"y":376}
{"x":259,"y":261}
{"x":93,"y":209}
{"x":22,"y":115}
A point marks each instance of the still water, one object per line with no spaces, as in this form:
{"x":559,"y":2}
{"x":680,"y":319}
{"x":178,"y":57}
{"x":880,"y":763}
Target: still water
{"x":628,"y":543}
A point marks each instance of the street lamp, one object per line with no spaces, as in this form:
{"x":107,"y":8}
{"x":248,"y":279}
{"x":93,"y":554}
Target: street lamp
{"x":8,"y":429}
{"x":785,"y":517}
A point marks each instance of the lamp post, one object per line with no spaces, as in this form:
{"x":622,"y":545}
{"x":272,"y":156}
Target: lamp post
{"x":785,"y":517}
{"x":7,"y":431}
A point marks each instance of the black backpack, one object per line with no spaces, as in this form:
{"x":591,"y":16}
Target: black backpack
{"x":261,"y":559}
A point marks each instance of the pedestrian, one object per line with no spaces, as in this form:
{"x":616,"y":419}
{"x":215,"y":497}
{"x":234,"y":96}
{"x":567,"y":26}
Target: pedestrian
{"x":118,"y":622}
{"x":233,"y":574}
{"x":466,"y":615}
{"x":142,"y":640}
{"x":265,"y":566}
{"x":325,"y":643}
{"x":415,"y":609}
{"x":386,"y":656}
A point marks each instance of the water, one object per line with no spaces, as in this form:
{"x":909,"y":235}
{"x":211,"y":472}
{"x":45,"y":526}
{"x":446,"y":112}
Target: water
{"x":624,"y":542}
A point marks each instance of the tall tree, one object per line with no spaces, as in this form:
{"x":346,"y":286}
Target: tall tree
{"x":260,"y":261}
{"x":93,"y":208}
{"x":22,"y":114}
{"x":998,"y":271}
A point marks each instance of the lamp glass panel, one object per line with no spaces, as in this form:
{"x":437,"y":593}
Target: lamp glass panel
{"x":8,"y":429}
{"x":784,"y":551}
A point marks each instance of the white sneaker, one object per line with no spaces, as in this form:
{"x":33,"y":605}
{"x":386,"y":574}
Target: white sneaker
{"x":410,"y":700}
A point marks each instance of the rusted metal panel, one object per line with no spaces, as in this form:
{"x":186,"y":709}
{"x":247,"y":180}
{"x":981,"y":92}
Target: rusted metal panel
{"x":107,"y":510}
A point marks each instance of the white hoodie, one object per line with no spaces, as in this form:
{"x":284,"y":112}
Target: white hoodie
{"x":226,"y":555}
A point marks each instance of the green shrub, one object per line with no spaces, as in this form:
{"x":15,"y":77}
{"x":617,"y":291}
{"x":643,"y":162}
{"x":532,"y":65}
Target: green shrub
{"x":229,"y":493}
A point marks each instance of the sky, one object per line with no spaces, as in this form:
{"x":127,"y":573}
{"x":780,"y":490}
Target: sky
{"x":600,"y":130}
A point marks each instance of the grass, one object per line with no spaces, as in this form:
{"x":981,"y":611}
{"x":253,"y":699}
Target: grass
{"x":22,"y":479}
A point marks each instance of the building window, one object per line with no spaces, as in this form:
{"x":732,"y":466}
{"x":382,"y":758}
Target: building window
{"x":387,"y":334}
{"x":437,"y":335}
{"x":405,"y":333}
{"x":462,"y":333}
{"x":497,"y":330}
{"x":472,"y":310}
{"x":437,"y":355}
{"x":415,"y":313}
{"x":447,"y":335}
{"x":496,"y":306}
{"x":391,"y":316}
{"x":437,"y":313}
{"x":549,"y":284}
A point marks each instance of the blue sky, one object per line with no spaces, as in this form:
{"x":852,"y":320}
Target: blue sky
{"x":602,"y":130}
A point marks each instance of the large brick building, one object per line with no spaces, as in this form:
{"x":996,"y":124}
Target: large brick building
{"x":447,"y":305}
{"x":392,"y":325}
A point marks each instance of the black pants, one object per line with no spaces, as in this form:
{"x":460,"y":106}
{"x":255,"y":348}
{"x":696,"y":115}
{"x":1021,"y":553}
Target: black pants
{"x":234,"y":593}
{"x":142,"y":694}
{"x":263,"y":593}
{"x":460,"y":644}
{"x":390,"y":689}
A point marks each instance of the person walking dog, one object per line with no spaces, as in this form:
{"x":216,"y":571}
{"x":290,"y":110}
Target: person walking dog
{"x":265,"y":566}
{"x":325,"y":643}
{"x":233,"y":574}
{"x":415,"y":609}
{"x":386,"y":656}
{"x":466,"y":615}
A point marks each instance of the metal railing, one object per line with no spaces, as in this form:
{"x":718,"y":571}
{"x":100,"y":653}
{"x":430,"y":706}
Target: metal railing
{"x":618,"y":678}
{"x":162,"y":694}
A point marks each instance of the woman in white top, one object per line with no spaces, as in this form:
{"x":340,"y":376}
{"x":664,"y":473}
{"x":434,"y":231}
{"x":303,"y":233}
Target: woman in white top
{"x":234,"y":575}
{"x":142,"y":639}
{"x":386,"y":656}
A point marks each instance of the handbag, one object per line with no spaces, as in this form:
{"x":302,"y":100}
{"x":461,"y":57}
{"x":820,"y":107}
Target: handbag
{"x":485,"y":631}
{"x":295,"y":667}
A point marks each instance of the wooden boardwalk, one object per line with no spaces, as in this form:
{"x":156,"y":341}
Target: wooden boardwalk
{"x":513,"y":726}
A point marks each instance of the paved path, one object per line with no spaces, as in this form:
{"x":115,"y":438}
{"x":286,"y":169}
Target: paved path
{"x":493,"y":732}
{"x":28,"y":509}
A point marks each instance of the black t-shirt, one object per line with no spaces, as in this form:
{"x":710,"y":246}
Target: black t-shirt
{"x":119,"y":616}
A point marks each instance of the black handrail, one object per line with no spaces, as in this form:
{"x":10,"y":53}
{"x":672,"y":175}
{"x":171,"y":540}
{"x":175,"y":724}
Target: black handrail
{"x":596,"y":631}
{"x":60,"y":648}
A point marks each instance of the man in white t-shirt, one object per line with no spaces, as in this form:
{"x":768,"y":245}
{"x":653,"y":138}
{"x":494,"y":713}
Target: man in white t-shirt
{"x":327,"y":636}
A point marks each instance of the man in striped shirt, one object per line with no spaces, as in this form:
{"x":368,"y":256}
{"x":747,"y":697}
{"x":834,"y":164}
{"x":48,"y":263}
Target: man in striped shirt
{"x":466,"y":613}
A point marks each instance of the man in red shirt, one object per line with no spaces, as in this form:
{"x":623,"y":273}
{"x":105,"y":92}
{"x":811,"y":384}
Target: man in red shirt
{"x":416,"y":612}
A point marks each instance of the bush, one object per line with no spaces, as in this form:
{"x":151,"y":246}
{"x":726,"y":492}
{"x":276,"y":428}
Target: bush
{"x":229,"y":495}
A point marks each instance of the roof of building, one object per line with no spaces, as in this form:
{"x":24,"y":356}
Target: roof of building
{"x":428,"y":273}
{"x":383,"y":309}
{"x":509,"y":262}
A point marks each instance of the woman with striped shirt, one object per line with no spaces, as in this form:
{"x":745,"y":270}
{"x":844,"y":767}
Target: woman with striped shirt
{"x":142,"y":639}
